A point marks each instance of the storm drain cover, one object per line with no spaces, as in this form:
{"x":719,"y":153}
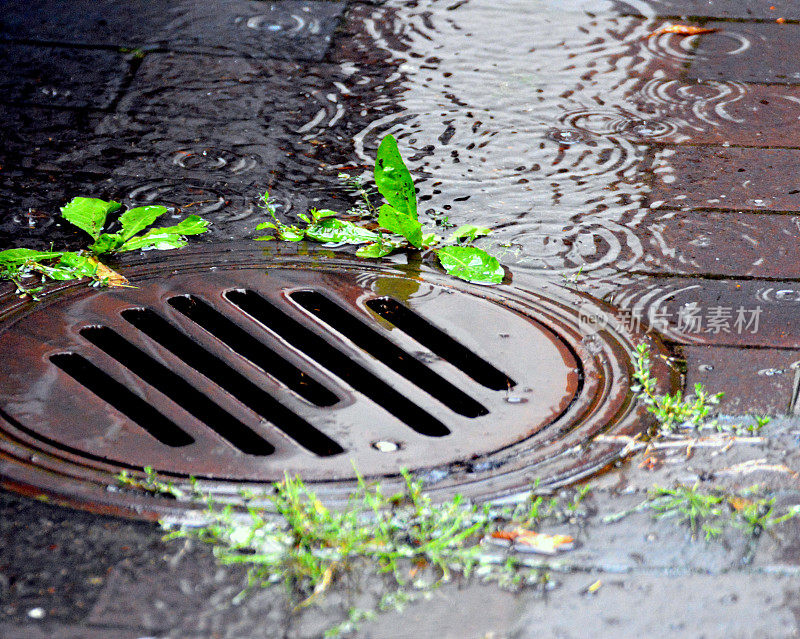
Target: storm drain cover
{"x":236,"y":367}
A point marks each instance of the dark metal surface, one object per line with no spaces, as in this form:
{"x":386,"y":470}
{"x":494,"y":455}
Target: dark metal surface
{"x":86,"y":383}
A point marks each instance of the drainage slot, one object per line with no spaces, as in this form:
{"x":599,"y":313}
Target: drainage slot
{"x":177,"y":389}
{"x":388,"y":353}
{"x":194,"y":355}
{"x":440,"y":343}
{"x":332,"y":359}
{"x":132,"y":406}
{"x":248,"y":347}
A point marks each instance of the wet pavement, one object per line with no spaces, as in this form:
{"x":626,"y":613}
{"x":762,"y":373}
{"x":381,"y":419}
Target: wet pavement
{"x":659,"y":172}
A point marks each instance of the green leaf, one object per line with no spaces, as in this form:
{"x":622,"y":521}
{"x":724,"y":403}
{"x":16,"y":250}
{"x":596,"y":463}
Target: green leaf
{"x":83,"y":265}
{"x":106,"y":243}
{"x":71,"y":266}
{"x":154,"y":239}
{"x":471,"y":264}
{"x":429,"y":239}
{"x":334,"y":230}
{"x":88,"y":214}
{"x":318,"y":214}
{"x":393,"y":179}
{"x":401,"y":223}
{"x":22,"y":255}
{"x":468,"y":232}
{"x":167,"y":237}
{"x":192,"y":225}
{"x":138,"y":219}
{"x":266,"y":225}
{"x":376,"y":249}
{"x":291,"y":233}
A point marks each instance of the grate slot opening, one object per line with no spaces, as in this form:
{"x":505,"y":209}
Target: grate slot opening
{"x":440,"y":343}
{"x":387,"y":352}
{"x":335,"y":361}
{"x":194,"y":355}
{"x":178,"y":389}
{"x":112,"y":392}
{"x":254,"y":351}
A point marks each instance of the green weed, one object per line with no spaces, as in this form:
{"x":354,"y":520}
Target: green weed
{"x":676,"y":411}
{"x":672,"y":411}
{"x":290,"y":536}
{"x":394,"y":224}
{"x":711,"y":511}
{"x":89,"y":215}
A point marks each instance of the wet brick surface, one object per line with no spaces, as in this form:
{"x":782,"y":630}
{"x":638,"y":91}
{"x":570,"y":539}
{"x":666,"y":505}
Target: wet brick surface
{"x":716,"y":312}
{"x":758,"y":381}
{"x":289,"y":29}
{"x":743,"y":9}
{"x":727,"y":178}
{"x":733,"y":244}
{"x":710,"y":112}
{"x":60,"y":76}
{"x":747,"y":52}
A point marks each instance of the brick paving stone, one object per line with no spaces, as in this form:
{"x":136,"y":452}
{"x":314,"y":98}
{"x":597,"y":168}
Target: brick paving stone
{"x":60,"y":76}
{"x":732,"y":244}
{"x":705,"y":311}
{"x":292,"y":29}
{"x":757,"y":381}
{"x":727,"y":178}
{"x":742,"y":9}
{"x":35,"y":137}
{"x":712,"y":112}
{"x":747,"y":52}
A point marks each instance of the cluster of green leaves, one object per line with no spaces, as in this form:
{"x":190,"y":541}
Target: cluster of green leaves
{"x":396,"y":224}
{"x":289,"y":536}
{"x":711,"y":510}
{"x":90,"y":215}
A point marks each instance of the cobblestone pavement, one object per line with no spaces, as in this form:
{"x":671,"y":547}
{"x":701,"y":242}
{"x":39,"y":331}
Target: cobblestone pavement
{"x":660,"y":170}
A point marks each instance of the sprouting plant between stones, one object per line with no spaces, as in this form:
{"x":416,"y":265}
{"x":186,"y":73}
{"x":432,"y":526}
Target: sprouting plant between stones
{"x":676,"y":411}
{"x":89,"y":215}
{"x":290,"y":536}
{"x":395,"y":224}
{"x":711,"y":511}
{"x":672,"y":411}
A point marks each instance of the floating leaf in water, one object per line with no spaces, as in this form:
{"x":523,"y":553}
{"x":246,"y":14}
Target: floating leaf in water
{"x":681,"y":29}
{"x":470,"y":263}
{"x":88,"y":213}
{"x":167,"y":237}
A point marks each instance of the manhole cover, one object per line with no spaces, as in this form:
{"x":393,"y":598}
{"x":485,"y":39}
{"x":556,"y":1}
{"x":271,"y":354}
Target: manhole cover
{"x":237,"y":366}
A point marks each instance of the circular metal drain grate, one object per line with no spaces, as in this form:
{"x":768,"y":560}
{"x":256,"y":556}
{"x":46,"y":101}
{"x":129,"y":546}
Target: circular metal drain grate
{"x":236,"y":367}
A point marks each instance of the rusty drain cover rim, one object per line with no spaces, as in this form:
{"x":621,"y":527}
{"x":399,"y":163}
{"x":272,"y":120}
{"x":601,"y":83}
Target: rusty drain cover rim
{"x":240,"y":366}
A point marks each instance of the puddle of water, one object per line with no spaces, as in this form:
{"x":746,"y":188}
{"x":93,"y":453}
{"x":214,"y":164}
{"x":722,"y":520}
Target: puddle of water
{"x":521,"y":117}
{"x":535,"y":118}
